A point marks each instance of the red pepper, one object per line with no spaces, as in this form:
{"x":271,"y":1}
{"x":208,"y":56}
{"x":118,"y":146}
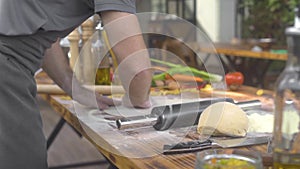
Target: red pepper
{"x":234,"y":80}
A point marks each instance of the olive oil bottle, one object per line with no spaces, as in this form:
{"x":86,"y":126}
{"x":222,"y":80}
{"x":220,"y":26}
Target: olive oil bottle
{"x":286,"y":133}
{"x":103,"y":72}
{"x":101,"y":58}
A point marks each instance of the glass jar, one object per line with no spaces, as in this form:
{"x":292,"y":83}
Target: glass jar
{"x":286,"y":132}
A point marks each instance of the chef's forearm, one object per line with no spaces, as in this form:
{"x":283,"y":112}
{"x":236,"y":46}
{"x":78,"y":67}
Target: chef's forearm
{"x":130,"y":49}
{"x":134,"y":69}
{"x":56,"y":65}
{"x":139,"y":89}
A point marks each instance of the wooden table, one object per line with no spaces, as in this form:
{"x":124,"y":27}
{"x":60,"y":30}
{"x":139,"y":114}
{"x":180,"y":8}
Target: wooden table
{"x":141,"y":147}
{"x":246,"y":51}
{"x":241,"y":57}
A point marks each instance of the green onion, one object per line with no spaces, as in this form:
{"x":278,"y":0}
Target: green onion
{"x":176,"y":69}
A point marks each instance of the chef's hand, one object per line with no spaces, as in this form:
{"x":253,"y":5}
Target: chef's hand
{"x":92,"y":99}
{"x":143,"y":105}
{"x":104,"y":102}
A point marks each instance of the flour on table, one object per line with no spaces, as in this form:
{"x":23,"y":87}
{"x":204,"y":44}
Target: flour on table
{"x":156,"y":101}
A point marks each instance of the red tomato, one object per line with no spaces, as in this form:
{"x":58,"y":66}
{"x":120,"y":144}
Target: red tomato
{"x":234,"y":80}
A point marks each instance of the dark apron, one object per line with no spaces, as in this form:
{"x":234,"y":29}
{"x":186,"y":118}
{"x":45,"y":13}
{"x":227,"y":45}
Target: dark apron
{"x":22,"y":142}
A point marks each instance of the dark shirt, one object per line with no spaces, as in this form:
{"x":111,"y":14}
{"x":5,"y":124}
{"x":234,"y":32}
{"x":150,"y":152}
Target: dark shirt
{"x":29,"y":27}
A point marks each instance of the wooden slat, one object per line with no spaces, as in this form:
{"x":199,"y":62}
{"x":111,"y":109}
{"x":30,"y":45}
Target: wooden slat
{"x":236,"y":50}
{"x":102,"y":89}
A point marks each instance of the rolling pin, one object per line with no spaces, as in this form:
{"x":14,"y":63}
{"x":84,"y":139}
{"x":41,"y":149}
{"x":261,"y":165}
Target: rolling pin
{"x":102,"y":89}
{"x":178,"y":115}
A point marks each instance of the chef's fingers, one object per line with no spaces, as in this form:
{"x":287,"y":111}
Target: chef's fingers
{"x":105,"y":102}
{"x":127,"y":103}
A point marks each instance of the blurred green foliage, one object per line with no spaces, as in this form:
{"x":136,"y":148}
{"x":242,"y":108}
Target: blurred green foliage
{"x":267,"y":18}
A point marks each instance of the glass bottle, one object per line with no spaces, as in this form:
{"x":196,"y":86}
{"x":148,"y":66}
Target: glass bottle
{"x":103,"y":72}
{"x":286,"y":133}
{"x":101,"y":58}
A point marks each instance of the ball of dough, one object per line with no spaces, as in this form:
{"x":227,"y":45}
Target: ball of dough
{"x":223,"y":119}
